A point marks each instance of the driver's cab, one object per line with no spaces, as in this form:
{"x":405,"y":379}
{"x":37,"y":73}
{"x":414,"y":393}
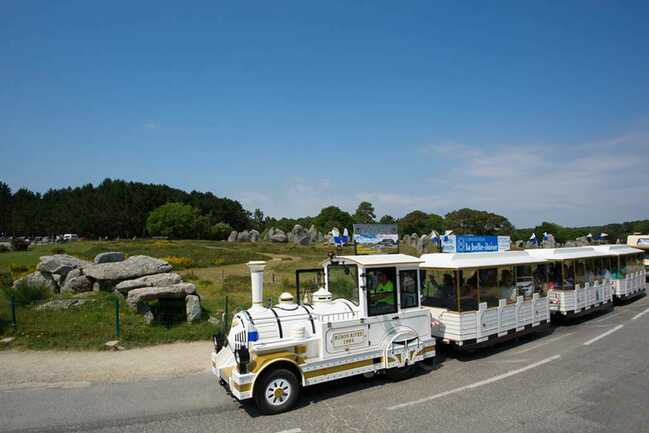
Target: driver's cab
{"x":375,"y":298}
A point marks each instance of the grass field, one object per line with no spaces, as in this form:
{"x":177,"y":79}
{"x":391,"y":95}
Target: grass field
{"x":217,"y":268}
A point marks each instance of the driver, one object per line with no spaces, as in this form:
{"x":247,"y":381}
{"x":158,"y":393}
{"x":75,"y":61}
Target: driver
{"x":385,"y":290}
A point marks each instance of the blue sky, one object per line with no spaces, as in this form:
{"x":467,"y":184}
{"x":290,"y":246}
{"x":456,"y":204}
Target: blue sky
{"x":536,"y":110}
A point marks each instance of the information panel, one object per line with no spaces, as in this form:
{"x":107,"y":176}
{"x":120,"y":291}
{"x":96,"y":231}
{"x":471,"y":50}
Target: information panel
{"x":475,"y":244}
{"x":376,"y":238}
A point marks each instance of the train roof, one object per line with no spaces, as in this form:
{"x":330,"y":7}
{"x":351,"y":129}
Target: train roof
{"x":567,"y":253}
{"x":617,"y":249}
{"x":477,"y":260}
{"x":379,"y":259}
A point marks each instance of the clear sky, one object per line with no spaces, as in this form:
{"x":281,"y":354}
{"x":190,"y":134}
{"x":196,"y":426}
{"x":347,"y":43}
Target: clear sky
{"x":536,"y":110}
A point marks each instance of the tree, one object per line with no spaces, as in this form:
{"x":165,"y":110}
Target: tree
{"x":387,"y":219}
{"x":437,"y":223}
{"x":414,"y":222}
{"x":220,"y":231}
{"x":5,"y":208}
{"x":471,"y":221}
{"x":176,"y":221}
{"x":331,"y":217}
{"x":365,"y":213}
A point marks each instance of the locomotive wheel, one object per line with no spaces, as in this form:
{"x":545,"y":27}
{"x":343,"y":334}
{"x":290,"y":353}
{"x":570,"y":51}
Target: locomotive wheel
{"x":276,"y":391}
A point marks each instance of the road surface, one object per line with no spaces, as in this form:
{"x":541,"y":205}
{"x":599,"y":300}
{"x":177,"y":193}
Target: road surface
{"x":590,"y":375}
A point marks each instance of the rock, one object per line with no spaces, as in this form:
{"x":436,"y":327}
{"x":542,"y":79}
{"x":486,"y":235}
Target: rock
{"x":133,"y":267}
{"x":137,"y":296}
{"x":59,"y":264}
{"x":38,"y":279}
{"x":320,"y":237}
{"x":243,"y":236}
{"x":7,"y":340}
{"x":214,"y":320}
{"x":254,"y":235}
{"x":233,"y":236}
{"x":193,"y":307}
{"x":313,"y":233}
{"x":299,"y":236}
{"x":113,"y":345}
{"x":109,"y":257}
{"x":406,"y":240}
{"x":279,"y":236}
{"x":148,"y":317}
{"x":423,"y":243}
{"x":75,"y":282}
{"x":268,"y":234}
{"x":155,"y":280}
{"x":550,"y":242}
{"x":62,"y":304}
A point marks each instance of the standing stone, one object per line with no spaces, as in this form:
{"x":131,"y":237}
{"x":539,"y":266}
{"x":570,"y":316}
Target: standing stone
{"x":109,"y":257}
{"x":193,"y":307}
{"x":233,"y":236}
{"x":550,"y":242}
{"x":254,"y":235}
{"x":422,"y":244}
{"x":279,"y":236}
{"x":313,"y":233}
{"x":243,"y":236}
{"x":406,"y":240}
{"x":299,"y":236}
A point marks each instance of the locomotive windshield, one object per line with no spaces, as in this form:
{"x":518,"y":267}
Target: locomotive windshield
{"x":343,"y":282}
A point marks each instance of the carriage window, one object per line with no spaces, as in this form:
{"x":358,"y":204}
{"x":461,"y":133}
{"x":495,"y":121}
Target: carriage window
{"x":615,"y":267}
{"x":343,"y":282}
{"x":489,"y":290}
{"x":525,"y":284}
{"x":623,"y":266}
{"x":439,"y":289}
{"x":580,"y":272}
{"x":408,"y":289}
{"x":540,"y":276}
{"x":468,"y":290}
{"x":381,"y":291}
{"x":568,"y":274}
{"x":555,"y":281}
{"x":598,"y":268}
{"x":590,"y":270}
{"x":506,"y":283}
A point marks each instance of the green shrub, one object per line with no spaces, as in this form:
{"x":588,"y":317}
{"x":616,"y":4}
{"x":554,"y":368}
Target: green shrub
{"x":57,"y":250}
{"x":19,"y":244}
{"x":6,"y":280}
{"x":220,"y":231}
{"x":25,"y":294}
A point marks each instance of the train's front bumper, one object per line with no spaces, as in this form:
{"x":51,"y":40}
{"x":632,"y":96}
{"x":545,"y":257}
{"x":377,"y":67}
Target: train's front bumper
{"x":224,"y":367}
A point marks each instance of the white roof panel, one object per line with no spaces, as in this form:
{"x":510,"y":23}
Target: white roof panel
{"x":566,"y":253}
{"x":380,"y":259}
{"x":617,"y":249}
{"x":477,"y":260}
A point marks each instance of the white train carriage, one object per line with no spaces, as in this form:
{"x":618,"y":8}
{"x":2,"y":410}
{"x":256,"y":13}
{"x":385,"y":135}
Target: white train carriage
{"x":578,"y":279}
{"x":483,"y":298}
{"x":628,"y":275}
{"x":366,"y":319}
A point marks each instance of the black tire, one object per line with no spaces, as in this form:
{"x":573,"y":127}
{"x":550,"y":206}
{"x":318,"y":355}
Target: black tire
{"x":400,"y":373}
{"x":266,"y":388}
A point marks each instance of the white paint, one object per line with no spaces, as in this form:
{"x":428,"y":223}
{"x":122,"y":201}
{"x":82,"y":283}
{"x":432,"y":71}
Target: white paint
{"x":477,"y":384}
{"x":544,"y":343}
{"x":293,"y":430}
{"x":639,"y":315}
{"x":599,"y":337}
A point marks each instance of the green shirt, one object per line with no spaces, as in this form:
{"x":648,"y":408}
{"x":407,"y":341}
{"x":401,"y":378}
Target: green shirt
{"x":388,"y":287}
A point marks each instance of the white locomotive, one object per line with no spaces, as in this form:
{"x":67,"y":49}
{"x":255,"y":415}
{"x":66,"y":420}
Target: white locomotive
{"x":367,"y":318}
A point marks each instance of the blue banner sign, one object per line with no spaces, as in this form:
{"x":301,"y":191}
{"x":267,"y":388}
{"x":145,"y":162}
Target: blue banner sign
{"x":475,"y":244}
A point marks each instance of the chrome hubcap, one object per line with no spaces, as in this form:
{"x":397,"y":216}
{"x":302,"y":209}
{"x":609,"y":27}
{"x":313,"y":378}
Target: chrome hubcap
{"x":278,"y":391}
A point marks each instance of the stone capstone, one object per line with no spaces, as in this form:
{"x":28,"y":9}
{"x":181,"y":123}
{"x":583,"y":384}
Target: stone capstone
{"x":155,"y":280}
{"x":109,"y":257}
{"x":59,"y":264}
{"x":143,"y":294}
{"x":133,"y":267}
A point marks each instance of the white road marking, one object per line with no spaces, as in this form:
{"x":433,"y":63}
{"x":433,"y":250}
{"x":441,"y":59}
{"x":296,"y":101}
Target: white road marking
{"x":293,"y":430}
{"x":476,"y":385}
{"x":546,"y":342}
{"x":599,"y":337}
{"x":639,"y":315}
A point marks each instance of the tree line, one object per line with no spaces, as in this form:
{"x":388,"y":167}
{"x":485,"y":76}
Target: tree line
{"x":117,"y":208}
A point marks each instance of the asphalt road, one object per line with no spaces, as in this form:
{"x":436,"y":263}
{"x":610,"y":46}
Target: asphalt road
{"x":589,"y":375}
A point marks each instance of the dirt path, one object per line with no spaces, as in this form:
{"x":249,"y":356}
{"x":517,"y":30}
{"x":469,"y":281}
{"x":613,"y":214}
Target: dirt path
{"x":72,"y":369}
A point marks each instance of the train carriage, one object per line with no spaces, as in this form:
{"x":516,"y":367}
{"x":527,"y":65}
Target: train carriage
{"x":578,"y":279}
{"x":483,"y":298}
{"x":367,"y":318}
{"x":628,"y":275}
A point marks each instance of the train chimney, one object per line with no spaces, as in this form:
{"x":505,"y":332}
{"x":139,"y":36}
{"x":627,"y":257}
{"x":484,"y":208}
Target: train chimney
{"x":257,"y":280}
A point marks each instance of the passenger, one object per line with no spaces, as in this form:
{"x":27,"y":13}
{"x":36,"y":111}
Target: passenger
{"x":385,"y":290}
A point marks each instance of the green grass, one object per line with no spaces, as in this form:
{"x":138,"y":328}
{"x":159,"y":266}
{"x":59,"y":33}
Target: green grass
{"x":217,"y":268}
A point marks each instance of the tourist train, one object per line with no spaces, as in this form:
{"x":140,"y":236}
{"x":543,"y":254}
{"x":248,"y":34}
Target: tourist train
{"x":384,"y":313}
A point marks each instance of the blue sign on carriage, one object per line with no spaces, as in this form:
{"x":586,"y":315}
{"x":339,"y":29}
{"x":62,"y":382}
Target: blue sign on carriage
{"x":474,"y":244}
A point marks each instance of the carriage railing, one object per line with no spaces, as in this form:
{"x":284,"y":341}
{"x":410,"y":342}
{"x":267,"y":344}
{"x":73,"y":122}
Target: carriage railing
{"x":338,"y":316}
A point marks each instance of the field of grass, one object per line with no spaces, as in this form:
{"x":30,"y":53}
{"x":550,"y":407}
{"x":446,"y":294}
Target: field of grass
{"x":217,"y":268}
